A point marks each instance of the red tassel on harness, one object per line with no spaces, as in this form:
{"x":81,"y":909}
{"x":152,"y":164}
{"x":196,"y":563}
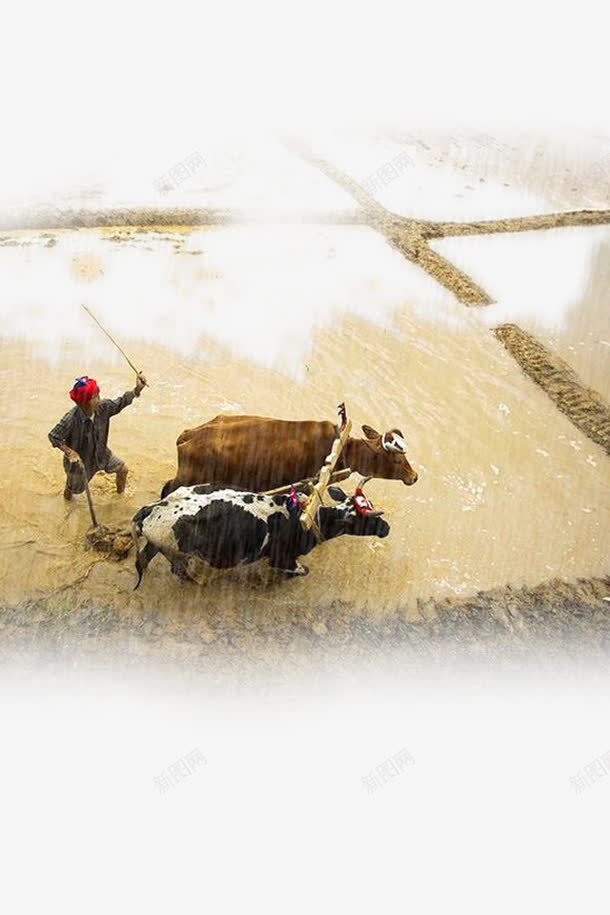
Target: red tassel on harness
{"x":292,"y":501}
{"x":361,"y":503}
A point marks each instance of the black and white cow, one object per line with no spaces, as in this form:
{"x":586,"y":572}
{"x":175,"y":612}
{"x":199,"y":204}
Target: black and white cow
{"x":227,"y":528}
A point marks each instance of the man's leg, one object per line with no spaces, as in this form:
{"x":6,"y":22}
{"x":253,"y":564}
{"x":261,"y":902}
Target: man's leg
{"x":75,"y":479}
{"x":114,"y":464}
{"x":121,"y":478}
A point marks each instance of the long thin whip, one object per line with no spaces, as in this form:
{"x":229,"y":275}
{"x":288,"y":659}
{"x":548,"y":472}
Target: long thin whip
{"x":88,"y":492}
{"x":112,"y":340}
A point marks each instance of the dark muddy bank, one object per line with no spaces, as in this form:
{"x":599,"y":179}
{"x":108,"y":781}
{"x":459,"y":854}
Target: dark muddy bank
{"x":582,"y":405}
{"x":552,"y":623}
{"x":142,"y":219}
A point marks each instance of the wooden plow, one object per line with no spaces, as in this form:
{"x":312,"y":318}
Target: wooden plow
{"x":325,"y":477}
{"x":316,"y":486}
{"x":308,"y":484}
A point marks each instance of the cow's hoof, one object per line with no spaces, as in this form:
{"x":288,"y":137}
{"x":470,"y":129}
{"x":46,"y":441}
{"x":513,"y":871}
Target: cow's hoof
{"x":179,"y":570}
{"x":299,"y":572}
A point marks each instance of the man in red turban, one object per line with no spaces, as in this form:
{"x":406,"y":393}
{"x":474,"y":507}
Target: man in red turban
{"x":84,"y":390}
{"x":82,"y":435}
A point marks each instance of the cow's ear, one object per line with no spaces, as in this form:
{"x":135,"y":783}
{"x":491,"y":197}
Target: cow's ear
{"x":336,"y":494}
{"x":370,"y":432}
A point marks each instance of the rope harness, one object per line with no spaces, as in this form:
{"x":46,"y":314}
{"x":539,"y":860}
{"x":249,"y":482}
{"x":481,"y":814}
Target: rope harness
{"x":315,"y":527}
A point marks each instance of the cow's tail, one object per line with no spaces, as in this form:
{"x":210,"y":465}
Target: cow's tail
{"x":144,"y":556}
{"x":140,"y":572}
{"x":135,"y":533}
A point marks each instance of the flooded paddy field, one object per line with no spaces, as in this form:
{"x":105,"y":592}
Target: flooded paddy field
{"x":512,"y":505}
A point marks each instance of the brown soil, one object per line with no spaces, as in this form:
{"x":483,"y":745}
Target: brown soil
{"x":584,"y":407}
{"x":552,"y":623}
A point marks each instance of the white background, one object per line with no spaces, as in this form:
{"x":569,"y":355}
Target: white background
{"x":81,"y":89}
{"x":278,"y":821}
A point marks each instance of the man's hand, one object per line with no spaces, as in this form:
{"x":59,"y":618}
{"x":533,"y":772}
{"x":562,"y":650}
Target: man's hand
{"x":71,"y":455}
{"x":140,"y":382}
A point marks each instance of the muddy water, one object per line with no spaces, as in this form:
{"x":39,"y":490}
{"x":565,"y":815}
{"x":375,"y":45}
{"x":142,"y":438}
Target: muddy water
{"x":508,"y":490}
{"x":287,"y":322}
{"x":555,"y":284}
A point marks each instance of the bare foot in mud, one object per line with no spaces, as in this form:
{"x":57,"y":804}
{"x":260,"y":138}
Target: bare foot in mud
{"x":67,"y":494}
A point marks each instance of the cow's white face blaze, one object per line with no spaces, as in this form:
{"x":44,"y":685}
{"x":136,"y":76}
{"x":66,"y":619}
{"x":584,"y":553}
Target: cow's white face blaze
{"x":394,"y":441}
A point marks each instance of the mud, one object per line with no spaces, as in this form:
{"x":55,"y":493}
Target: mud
{"x":584,"y":406}
{"x":410,"y":235}
{"x":553,"y":623}
{"x":113,"y":542}
{"x":152,"y":219}
{"x":508,"y":492}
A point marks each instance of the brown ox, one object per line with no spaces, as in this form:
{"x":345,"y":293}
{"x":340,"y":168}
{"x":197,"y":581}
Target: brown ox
{"x":258,"y":454}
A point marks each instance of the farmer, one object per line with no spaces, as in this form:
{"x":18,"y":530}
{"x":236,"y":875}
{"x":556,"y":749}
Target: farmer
{"x":82,"y":435}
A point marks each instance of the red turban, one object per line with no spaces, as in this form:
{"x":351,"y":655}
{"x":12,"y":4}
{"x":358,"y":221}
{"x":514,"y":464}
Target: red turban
{"x":84,"y":389}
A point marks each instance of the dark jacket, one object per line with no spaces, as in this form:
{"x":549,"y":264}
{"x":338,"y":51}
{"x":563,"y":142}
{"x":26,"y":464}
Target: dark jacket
{"x":89,"y":437}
